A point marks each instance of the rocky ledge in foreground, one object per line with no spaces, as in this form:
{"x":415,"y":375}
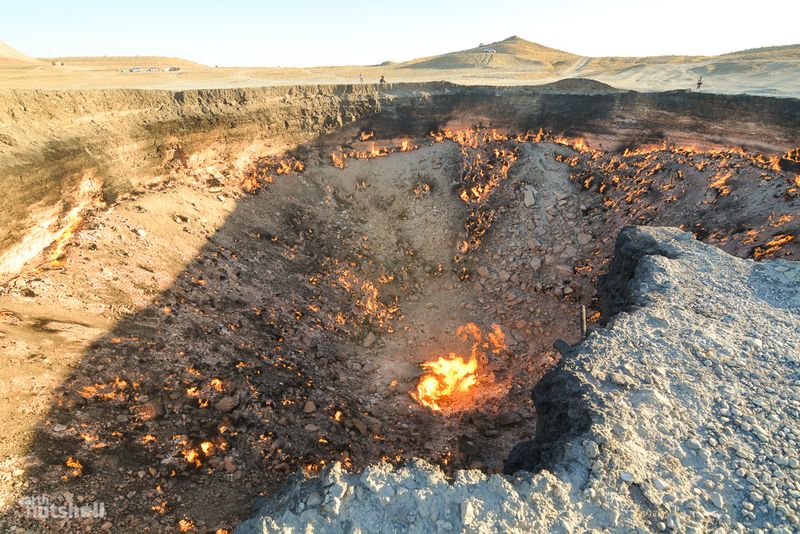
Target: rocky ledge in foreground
{"x":681,"y":416}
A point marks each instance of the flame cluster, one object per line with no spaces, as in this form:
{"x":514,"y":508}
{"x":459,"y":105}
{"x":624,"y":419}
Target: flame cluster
{"x":366,"y":297}
{"x":444,"y":378}
{"x":772,"y":246}
{"x":793,"y":155}
{"x":638,"y":181}
{"x":486,"y":158}
{"x":198,"y":452}
{"x":264,"y":170}
{"x":58,"y":248}
{"x":340,"y":156}
{"x":75,"y":467}
{"x":71,"y":223}
{"x":114,"y":390}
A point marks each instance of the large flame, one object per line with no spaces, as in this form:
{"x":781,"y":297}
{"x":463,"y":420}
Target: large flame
{"x":444,"y":378}
{"x":450,"y":381}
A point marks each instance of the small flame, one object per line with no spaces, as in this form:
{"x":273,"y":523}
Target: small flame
{"x":720,"y":182}
{"x":76,"y":468}
{"x":216,"y":383}
{"x":772,"y":246}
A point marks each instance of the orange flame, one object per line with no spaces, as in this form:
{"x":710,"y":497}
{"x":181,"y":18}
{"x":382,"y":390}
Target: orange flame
{"x":720,"y":182}
{"x":59,"y":247}
{"x":261,"y":172}
{"x":340,"y":156}
{"x":444,"y":378}
{"x":76,"y":468}
{"x":449,"y":380}
{"x":772,"y":245}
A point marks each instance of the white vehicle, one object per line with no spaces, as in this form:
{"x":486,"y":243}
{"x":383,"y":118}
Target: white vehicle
{"x":489,"y":51}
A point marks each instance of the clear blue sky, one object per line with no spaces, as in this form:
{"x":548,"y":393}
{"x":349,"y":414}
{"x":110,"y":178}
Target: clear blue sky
{"x":307,"y":33}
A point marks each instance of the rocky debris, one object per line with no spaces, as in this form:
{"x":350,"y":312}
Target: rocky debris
{"x":584,"y":239}
{"x":681,"y":416}
{"x":702,"y":188}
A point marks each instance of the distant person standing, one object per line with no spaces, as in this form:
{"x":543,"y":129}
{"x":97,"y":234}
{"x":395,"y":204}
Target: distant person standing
{"x":699,"y":83}
{"x":383,"y":80}
{"x":361,"y":77}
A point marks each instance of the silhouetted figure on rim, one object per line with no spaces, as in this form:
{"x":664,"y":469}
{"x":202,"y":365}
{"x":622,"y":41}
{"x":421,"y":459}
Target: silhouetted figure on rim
{"x":699,"y":83}
{"x":383,"y":79}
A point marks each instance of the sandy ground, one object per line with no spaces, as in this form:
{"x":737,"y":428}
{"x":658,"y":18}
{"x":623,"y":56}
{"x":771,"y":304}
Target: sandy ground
{"x":769,"y":72}
{"x":658,"y":77}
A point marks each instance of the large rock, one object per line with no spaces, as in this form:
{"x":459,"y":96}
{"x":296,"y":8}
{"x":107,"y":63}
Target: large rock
{"x":681,"y":415}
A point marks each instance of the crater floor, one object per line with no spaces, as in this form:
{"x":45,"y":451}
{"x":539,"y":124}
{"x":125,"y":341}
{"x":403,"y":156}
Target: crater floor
{"x":681,"y":416}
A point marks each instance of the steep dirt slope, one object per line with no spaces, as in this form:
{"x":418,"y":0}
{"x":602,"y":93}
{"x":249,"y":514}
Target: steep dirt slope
{"x":65,"y":152}
{"x":11,"y":57}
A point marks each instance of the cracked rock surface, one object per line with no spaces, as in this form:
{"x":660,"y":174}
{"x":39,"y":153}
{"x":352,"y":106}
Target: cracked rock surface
{"x":682,"y":415}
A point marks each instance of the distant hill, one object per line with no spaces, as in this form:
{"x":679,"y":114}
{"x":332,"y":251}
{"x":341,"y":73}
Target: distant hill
{"x":767,"y":52}
{"x":510,"y":54}
{"x":124,"y":62}
{"x":517,"y":54}
{"x":9,"y":56}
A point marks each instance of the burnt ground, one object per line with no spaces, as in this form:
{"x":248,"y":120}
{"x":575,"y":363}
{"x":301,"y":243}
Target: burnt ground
{"x":222,"y":340}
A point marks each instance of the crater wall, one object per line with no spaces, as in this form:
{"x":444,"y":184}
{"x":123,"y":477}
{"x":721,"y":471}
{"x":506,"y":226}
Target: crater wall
{"x":66,"y":151}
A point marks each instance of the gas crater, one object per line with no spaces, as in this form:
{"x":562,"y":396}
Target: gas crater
{"x":264,"y":282}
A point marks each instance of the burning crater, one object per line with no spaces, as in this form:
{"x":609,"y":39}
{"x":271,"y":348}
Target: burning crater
{"x":366,"y":296}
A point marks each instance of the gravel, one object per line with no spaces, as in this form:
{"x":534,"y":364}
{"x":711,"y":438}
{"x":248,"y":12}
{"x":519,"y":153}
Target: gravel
{"x":680,"y":415}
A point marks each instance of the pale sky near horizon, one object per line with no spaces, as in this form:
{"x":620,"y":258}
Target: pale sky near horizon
{"x":312,"y":33}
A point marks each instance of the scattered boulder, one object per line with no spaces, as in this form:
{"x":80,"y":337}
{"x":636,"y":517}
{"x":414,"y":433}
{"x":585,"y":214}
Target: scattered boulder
{"x":369,"y":340}
{"x":226,"y":404}
{"x":527,"y":198}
